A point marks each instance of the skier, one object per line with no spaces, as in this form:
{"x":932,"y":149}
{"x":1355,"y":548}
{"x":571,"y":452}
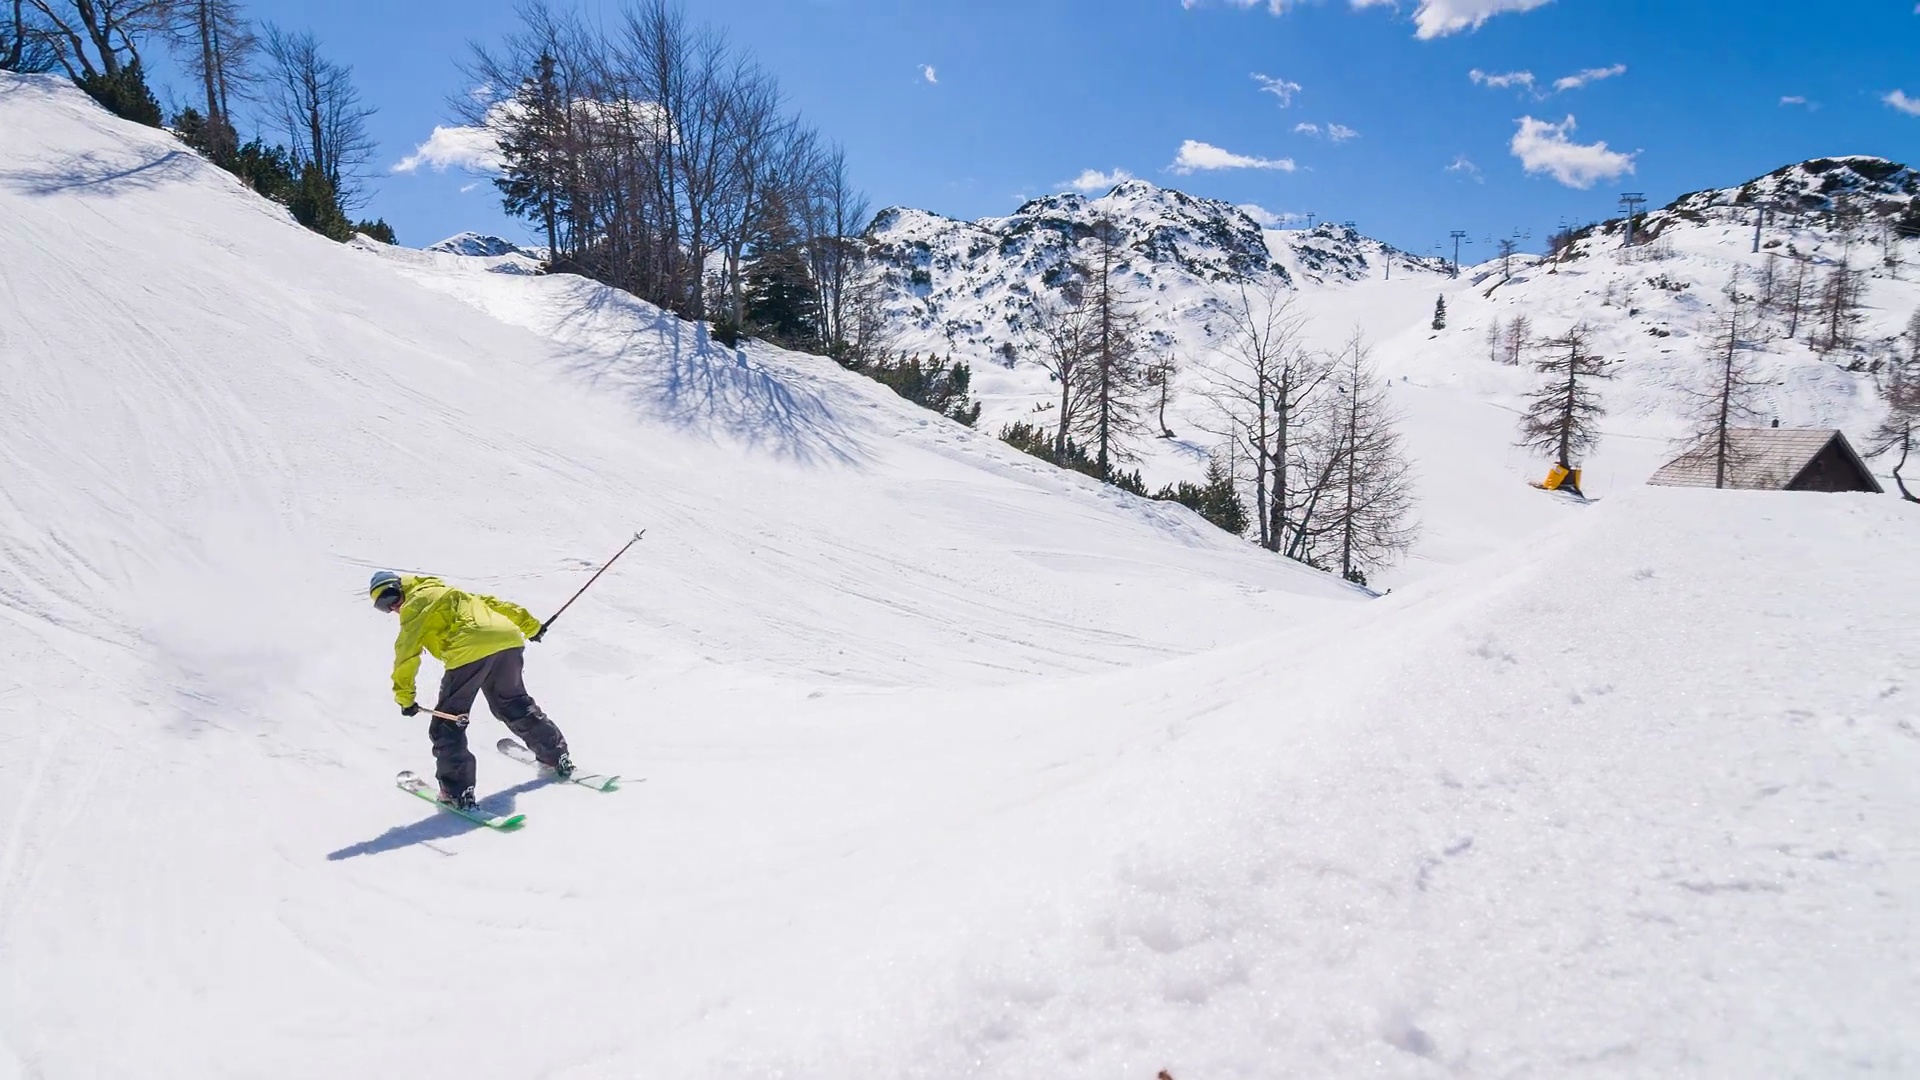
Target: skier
{"x":479,"y":639}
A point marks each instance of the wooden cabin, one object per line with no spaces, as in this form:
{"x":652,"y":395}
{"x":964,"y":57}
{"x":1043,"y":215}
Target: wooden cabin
{"x":1773,"y":459}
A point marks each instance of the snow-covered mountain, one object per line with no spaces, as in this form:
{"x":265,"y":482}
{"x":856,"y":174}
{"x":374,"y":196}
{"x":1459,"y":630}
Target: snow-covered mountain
{"x":968,"y":287}
{"x":955,"y":765}
{"x":500,"y":256}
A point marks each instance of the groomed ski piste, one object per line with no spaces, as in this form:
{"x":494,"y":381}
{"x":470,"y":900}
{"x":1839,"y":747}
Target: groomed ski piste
{"x":955,"y":765}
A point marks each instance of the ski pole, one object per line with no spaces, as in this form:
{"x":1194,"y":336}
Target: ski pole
{"x":542,"y":632}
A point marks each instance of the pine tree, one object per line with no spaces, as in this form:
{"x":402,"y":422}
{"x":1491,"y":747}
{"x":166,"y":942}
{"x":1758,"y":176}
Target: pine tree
{"x":315,"y":205}
{"x":535,"y":170}
{"x":782,"y":305}
{"x":1440,"y":313}
{"x":1218,"y":500}
{"x":1563,"y":415}
{"x":124,"y":93}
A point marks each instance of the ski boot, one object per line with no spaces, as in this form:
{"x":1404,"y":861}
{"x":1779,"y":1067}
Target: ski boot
{"x":563,"y":766}
{"x":459,"y":800}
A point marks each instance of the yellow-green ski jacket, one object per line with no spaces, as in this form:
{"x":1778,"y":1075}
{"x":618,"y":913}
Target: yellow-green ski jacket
{"x":456,"y":627}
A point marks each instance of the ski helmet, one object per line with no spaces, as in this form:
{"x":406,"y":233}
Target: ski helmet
{"x":385,"y":590}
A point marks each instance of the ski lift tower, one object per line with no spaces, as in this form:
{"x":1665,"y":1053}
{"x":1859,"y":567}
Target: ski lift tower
{"x":1631,"y":201}
{"x":1457,"y":235}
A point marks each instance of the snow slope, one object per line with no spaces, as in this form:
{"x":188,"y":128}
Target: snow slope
{"x":954,"y":765}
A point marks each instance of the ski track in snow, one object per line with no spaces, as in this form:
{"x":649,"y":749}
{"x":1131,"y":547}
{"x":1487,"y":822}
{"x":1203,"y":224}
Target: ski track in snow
{"x":955,"y":765}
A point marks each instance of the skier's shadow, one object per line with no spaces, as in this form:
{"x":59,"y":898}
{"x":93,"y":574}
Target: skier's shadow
{"x":438,"y":825}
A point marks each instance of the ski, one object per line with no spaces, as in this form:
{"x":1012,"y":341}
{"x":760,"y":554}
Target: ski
{"x":595,"y":781}
{"x":413,"y":785}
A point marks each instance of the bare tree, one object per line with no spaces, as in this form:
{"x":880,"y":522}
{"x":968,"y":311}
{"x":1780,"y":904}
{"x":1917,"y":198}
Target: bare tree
{"x":99,"y":37}
{"x":836,"y":212}
{"x":1563,"y":415}
{"x":314,"y":101}
{"x":1114,"y":377}
{"x":1507,"y":248}
{"x":1726,"y":393}
{"x":1769,"y":285}
{"x":1494,"y":338}
{"x":1262,"y":384}
{"x":1366,"y":507}
{"x":215,"y":44}
{"x":1159,"y":372}
{"x":1838,"y":307}
{"x":1519,"y":336}
{"x":1796,"y":295}
{"x":1902,"y":391}
{"x":1062,"y":331}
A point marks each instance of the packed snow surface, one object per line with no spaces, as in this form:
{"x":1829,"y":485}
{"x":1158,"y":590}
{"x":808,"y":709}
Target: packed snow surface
{"x":954,"y":765}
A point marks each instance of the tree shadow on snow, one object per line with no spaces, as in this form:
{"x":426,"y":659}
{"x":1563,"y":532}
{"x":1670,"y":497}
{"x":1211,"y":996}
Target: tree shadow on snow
{"x":93,"y":173}
{"x":673,"y":371}
{"x":440,"y":825}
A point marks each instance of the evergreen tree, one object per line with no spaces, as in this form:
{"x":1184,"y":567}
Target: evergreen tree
{"x":1218,"y":500}
{"x":782,"y":304}
{"x":124,"y":93}
{"x":534,"y":178}
{"x":377,"y":229}
{"x":935,"y":384}
{"x":1440,"y":313}
{"x":315,"y":205}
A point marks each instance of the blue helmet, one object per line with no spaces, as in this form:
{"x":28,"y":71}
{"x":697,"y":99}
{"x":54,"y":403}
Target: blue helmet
{"x":385,"y":590}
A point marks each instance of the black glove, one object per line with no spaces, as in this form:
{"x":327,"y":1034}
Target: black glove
{"x":409,"y":710}
{"x":538,"y":634}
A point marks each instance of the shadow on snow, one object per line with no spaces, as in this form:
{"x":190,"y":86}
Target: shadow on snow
{"x":440,"y":825}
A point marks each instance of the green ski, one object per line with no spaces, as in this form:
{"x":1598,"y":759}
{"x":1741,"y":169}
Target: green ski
{"x":596,"y":781}
{"x":415,"y":786}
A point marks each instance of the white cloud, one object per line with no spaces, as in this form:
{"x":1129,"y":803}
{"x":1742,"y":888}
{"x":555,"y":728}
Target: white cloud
{"x":1280,"y":88}
{"x":1465,"y":167}
{"x":1544,"y":148}
{"x":1092,"y":180}
{"x":1266,"y":218}
{"x":1274,"y":6}
{"x":475,"y":149}
{"x":1792,"y":99}
{"x":1197,"y":156}
{"x":927,"y":73}
{"x":1337,"y":132}
{"x":1501,"y":82}
{"x":1438,"y":18}
{"x":1899,"y":99}
{"x":464,"y":188}
{"x":1591,"y":75}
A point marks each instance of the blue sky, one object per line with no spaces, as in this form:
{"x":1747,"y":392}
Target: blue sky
{"x":1362,"y":110}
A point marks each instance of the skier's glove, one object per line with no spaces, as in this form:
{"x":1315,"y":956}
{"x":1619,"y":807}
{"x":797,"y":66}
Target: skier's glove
{"x":538,"y":634}
{"x":409,"y":710}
